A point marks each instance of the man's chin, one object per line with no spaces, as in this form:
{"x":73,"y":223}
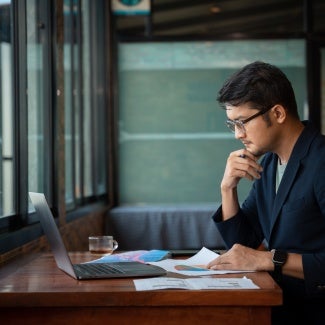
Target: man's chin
{"x":256,"y":153}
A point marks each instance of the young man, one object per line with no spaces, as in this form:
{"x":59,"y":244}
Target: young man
{"x":285,"y":209}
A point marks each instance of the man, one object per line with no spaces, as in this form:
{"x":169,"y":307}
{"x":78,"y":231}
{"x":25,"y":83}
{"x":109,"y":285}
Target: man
{"x":285,"y":209}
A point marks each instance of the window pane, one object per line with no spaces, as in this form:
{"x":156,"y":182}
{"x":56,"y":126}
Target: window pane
{"x":6,"y":113}
{"x":86,"y":98}
{"x":73,"y":106}
{"x":35,"y":93}
{"x":100,"y":123}
{"x":69,"y":92}
{"x":173,"y":143}
{"x":77,"y":119}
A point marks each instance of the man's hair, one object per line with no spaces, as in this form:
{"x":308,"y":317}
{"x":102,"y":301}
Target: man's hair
{"x":260,"y":84}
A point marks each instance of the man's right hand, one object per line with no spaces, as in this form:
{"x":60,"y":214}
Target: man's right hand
{"x":240,"y":164}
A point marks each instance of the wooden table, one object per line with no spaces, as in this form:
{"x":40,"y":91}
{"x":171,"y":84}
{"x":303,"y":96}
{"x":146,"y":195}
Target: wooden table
{"x":40,"y":293}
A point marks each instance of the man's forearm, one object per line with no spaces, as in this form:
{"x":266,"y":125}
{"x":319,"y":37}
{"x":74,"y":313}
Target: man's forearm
{"x":230,"y":204}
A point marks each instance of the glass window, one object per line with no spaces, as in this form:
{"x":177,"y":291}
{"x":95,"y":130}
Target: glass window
{"x":93,"y":100}
{"x":68,"y":98}
{"x":85,"y":122}
{"x":71,"y":98}
{"x":52,"y":112}
{"x":100,"y":125}
{"x":173,"y":142}
{"x":38,"y":109}
{"x":87,"y":116}
{"x":77,"y":105}
{"x":6,"y":112}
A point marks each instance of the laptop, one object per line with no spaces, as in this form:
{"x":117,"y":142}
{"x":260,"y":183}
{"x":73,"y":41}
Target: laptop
{"x":85,"y":271}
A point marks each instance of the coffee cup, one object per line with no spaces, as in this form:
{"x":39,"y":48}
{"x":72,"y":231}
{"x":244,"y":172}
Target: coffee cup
{"x":102,"y":245}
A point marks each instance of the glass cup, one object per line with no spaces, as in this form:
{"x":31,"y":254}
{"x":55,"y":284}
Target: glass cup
{"x":102,"y":245}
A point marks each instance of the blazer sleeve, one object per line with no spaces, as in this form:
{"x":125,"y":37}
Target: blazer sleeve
{"x":314,"y":263}
{"x":243,"y":228}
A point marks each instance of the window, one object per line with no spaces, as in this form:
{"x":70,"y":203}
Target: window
{"x":39,"y":103}
{"x":72,"y":111}
{"x":85,"y":116}
{"x":6,"y":112}
{"x":49,"y":145}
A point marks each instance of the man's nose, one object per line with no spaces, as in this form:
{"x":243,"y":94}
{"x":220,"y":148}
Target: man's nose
{"x":239,"y":133}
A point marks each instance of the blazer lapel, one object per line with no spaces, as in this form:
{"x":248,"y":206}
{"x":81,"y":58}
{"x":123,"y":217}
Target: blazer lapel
{"x":300,"y":150}
{"x":284,"y":188}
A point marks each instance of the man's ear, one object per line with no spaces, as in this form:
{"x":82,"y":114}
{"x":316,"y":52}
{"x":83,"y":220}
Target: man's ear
{"x":279,"y":113}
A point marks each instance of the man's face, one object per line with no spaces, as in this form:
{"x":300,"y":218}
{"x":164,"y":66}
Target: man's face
{"x":255,"y":134}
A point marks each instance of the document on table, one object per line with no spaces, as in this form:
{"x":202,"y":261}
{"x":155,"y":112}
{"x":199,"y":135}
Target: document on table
{"x":194,"y":283}
{"x":195,"y":265}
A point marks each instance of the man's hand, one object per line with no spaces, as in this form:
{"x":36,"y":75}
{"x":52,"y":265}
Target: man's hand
{"x":240,"y":164}
{"x":240,"y":257}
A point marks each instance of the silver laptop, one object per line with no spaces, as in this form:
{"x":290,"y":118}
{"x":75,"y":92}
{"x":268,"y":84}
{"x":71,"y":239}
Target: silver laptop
{"x":85,"y":270}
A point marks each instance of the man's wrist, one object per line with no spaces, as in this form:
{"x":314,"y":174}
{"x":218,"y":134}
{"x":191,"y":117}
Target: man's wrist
{"x":269,"y":266}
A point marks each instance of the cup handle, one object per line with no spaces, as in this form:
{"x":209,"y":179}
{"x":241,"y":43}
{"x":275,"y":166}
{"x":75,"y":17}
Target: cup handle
{"x":115,"y":244}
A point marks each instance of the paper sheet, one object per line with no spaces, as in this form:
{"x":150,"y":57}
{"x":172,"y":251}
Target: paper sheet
{"x":193,"y":266}
{"x":194,"y":283}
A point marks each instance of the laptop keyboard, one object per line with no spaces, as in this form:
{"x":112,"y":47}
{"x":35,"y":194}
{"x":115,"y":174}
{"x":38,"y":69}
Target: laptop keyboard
{"x":97,"y":268}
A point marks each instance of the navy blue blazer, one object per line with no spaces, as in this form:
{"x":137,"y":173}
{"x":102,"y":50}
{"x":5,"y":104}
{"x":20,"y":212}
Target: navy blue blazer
{"x":293,"y":219}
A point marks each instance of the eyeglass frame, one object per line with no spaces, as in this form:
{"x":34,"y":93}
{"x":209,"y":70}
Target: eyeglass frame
{"x":231,"y":124}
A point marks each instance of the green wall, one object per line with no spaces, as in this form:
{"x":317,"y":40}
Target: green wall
{"x":173,"y":143}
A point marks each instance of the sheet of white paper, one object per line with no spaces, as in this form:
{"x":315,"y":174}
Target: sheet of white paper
{"x":193,"y":266}
{"x":193,"y":283}
{"x":160,"y":283}
{"x":203,"y":257}
{"x":222,"y":283}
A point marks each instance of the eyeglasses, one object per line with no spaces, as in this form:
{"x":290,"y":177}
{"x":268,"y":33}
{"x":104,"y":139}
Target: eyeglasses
{"x":240,"y":124}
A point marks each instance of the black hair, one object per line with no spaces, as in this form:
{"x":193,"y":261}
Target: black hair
{"x":261,"y":84}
